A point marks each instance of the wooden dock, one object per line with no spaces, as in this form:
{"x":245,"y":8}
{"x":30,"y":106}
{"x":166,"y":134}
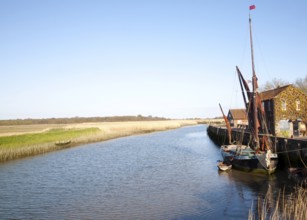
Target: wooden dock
{"x":292,"y":152}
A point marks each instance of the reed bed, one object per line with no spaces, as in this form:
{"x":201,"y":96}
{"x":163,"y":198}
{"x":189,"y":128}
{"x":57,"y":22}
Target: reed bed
{"x":18,"y":146}
{"x":9,"y":130}
{"x":44,"y":140}
{"x":293,"y":206}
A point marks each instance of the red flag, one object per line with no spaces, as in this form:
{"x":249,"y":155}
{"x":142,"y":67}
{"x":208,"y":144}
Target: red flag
{"x":252,"y":7}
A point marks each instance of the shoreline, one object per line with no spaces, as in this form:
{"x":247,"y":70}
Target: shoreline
{"x":104,"y":131}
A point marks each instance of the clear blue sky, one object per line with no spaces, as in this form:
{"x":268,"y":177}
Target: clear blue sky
{"x":169,"y":58}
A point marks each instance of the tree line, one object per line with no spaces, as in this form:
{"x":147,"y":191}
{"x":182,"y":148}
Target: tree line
{"x":31,"y":121}
{"x":300,"y":83}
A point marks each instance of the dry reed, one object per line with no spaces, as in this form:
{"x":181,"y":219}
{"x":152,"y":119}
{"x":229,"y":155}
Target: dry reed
{"x":106,"y":131}
{"x":293,"y":206}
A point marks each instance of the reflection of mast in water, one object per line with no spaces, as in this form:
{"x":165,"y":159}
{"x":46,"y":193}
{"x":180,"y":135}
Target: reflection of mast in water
{"x":267,"y":202}
{"x":255,"y":192}
{"x":245,"y":189}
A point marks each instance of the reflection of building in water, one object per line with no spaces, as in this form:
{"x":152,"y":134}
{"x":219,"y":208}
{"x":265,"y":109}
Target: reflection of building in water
{"x":286,"y":111}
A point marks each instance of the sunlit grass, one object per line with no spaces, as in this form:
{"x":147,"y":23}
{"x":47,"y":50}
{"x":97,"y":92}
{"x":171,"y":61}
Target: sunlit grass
{"x":16,"y":141}
{"x":17,"y":146}
{"x":44,"y":140}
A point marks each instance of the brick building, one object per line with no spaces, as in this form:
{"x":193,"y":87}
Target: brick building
{"x":286,"y":111}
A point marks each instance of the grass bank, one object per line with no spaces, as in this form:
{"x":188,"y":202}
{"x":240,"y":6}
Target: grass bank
{"x":16,"y":142}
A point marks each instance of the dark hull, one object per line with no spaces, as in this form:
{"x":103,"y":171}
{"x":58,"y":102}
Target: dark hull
{"x":291,"y":152}
{"x":253,"y":165}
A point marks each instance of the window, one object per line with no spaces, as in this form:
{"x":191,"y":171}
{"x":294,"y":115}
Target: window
{"x":298,"y":105}
{"x":283,"y":105}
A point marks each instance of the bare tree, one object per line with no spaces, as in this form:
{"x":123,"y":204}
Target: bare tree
{"x":302,"y":84}
{"x":275,"y":83}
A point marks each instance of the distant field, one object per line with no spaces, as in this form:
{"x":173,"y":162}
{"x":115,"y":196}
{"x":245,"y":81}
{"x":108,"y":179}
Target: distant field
{"x":8,"y":130}
{"x":49,"y":136}
{"x":28,"y":140}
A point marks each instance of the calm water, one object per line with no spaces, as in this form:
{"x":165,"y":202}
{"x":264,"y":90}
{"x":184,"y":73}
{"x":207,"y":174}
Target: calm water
{"x":164,"y":175}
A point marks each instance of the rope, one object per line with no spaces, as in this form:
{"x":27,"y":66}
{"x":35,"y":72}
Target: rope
{"x":281,"y":152}
{"x":301,"y":159}
{"x":288,"y":155}
{"x":250,"y":139}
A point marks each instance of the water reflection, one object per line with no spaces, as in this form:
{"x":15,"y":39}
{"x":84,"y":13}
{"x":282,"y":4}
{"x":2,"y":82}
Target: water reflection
{"x":164,"y":175}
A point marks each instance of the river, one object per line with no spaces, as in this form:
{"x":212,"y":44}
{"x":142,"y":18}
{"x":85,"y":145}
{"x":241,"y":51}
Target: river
{"x":162,"y":175}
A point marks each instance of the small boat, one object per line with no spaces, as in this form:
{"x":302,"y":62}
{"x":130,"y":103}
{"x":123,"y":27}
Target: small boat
{"x":223,"y":166}
{"x":62,"y":143}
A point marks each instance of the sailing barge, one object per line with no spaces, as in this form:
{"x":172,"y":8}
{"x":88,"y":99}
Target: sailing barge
{"x":291,"y":152}
{"x":253,"y":157}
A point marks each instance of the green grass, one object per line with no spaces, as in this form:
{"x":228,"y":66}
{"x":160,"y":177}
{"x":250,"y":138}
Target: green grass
{"x":30,"y":144}
{"x":50,"y":136}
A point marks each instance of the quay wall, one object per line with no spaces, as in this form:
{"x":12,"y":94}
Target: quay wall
{"x":291,"y":152}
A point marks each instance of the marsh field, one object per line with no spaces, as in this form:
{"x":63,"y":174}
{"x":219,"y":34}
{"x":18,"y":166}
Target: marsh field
{"x":17,"y":141}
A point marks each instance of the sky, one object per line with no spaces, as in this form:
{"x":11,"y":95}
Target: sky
{"x":166,"y":58}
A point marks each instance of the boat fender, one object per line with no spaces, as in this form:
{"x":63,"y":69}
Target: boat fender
{"x":268,"y":158}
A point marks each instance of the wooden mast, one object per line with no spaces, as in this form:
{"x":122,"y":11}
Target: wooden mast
{"x":254,"y":81}
{"x":227,"y":125}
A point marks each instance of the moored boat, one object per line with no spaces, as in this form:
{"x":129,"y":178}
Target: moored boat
{"x":63,"y":143}
{"x":224,"y":166}
{"x":243,"y":157}
{"x":258,"y":156}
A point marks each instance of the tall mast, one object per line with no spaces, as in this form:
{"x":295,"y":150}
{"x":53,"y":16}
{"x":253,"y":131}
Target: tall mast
{"x":254,"y":81}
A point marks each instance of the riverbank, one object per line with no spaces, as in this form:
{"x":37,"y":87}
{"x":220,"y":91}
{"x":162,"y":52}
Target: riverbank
{"x":23,"y":141}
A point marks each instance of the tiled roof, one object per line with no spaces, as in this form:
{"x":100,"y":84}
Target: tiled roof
{"x":238,"y":114}
{"x":270,"y":94}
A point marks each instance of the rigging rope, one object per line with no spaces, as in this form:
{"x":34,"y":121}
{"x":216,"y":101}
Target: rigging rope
{"x":287,"y":155}
{"x":281,"y":152}
{"x":302,"y":158}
